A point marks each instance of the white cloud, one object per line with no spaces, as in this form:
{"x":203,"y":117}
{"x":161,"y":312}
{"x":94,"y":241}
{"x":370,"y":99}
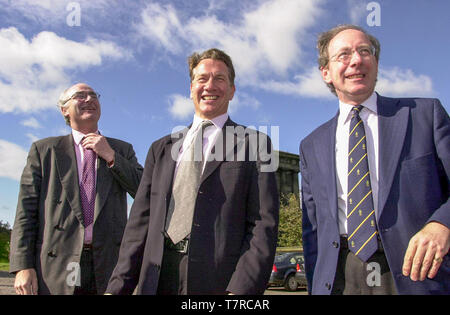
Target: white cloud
{"x":34,"y":72}
{"x":161,"y":25}
{"x":31,"y":122}
{"x":32,"y":137}
{"x":12,"y":160}
{"x":242,"y":99}
{"x":181,"y":107}
{"x":47,"y":12}
{"x":265,"y":42}
{"x":357,"y":11}
{"x":403,"y":82}
{"x":309,"y":84}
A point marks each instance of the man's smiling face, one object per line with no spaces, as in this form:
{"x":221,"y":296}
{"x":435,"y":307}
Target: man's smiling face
{"x":84,"y":110}
{"x":211,"y":89}
{"x":354,"y":80}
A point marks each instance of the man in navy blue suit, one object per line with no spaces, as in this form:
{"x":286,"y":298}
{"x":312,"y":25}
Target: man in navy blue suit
{"x":375,"y":182}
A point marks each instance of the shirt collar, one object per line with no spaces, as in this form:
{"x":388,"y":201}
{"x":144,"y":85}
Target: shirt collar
{"x":370,"y":104}
{"x":218,"y":121}
{"x":78,"y":136}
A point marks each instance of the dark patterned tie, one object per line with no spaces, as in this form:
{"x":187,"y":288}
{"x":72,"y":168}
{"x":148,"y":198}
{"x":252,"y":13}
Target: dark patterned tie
{"x":87,"y":186}
{"x":185,"y":189}
{"x":362,"y":230}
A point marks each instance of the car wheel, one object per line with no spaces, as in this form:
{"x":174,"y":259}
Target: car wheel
{"x":291,"y":284}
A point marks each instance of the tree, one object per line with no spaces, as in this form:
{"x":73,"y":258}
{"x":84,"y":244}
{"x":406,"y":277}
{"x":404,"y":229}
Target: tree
{"x":290,"y":227}
{"x":5,"y":235}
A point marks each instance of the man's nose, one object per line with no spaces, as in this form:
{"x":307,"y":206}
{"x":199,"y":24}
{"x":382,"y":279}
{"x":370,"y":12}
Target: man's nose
{"x":356,"y":58}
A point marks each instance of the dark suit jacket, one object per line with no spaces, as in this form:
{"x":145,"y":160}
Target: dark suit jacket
{"x":414,"y":169}
{"x":234,"y":230}
{"x":48,"y":232}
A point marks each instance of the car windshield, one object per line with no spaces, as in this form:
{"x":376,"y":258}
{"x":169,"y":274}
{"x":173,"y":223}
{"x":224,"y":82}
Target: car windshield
{"x":281,"y":257}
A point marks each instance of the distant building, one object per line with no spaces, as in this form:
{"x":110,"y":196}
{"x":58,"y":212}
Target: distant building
{"x":287,"y":174}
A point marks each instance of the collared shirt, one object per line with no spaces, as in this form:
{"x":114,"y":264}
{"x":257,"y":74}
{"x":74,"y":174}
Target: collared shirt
{"x":209,"y":137}
{"x":369,"y":118}
{"x":79,"y":153}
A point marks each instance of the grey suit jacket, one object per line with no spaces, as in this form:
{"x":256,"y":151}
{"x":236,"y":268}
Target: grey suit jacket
{"x":48,"y":232}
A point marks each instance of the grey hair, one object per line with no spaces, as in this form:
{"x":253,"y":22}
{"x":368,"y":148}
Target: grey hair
{"x":62,"y":103}
{"x":325,"y":38}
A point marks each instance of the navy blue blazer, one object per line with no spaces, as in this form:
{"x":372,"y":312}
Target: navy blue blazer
{"x":414,"y":171}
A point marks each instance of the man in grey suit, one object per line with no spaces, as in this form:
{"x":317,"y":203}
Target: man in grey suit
{"x":71,"y":214}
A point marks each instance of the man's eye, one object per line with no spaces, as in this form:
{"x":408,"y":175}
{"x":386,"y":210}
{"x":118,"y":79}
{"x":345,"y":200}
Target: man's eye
{"x":343,"y":55}
{"x":365,"y":52}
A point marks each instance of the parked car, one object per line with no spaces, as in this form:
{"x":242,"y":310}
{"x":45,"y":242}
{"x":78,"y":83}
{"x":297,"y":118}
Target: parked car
{"x":284,"y":269}
{"x":300,"y":275}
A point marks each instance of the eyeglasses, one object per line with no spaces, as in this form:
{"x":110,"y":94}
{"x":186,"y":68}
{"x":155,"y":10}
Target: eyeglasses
{"x":82,"y":96}
{"x":345,"y":56}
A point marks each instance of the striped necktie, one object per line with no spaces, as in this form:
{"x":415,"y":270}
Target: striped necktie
{"x":362,"y":230}
{"x":185,"y":188}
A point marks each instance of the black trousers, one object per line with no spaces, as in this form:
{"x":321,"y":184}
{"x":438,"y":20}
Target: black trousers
{"x":355,"y":277}
{"x":87,"y":283}
{"x":173,"y":276}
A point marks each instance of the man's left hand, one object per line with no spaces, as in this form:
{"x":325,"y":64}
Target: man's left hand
{"x":426,"y":251}
{"x":100,"y":145}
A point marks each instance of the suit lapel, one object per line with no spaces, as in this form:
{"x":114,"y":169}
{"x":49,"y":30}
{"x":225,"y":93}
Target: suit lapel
{"x":166,"y":162}
{"x":324,"y":147}
{"x":103,"y":185}
{"x":227,"y":140}
{"x":68,"y":173}
{"x":392,"y":126}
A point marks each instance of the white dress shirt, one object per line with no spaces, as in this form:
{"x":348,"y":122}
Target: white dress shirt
{"x":209,"y":137}
{"x":369,"y":118}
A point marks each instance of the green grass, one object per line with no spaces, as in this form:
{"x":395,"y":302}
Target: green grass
{"x":4,"y":266}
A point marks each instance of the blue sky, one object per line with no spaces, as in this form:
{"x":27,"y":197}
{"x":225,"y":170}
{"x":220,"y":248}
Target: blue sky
{"x":134,"y":54}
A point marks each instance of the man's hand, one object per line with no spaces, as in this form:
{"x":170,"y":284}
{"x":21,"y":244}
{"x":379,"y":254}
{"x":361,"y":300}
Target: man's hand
{"x":425,"y":251}
{"x":100,"y":145}
{"x":26,"y":282}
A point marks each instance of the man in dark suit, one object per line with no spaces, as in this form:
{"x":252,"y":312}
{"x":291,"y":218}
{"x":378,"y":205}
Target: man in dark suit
{"x":375,"y":182}
{"x":71,"y":214}
{"x":229,"y":216}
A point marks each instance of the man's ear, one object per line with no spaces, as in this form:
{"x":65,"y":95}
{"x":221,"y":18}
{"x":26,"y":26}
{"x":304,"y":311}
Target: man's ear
{"x":64,"y":111}
{"x":325,"y":74}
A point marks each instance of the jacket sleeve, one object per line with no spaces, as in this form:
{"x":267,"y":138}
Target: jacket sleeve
{"x":441,"y":134}
{"x":26,"y":224}
{"x":126,"y":170}
{"x":126,"y":273}
{"x":309,"y":222}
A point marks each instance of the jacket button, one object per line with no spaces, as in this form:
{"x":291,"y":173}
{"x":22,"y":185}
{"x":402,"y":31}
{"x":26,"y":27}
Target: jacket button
{"x":328,"y":286}
{"x":335,"y":244}
{"x":51,"y":254}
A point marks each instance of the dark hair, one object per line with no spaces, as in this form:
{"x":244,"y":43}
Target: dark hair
{"x":325,"y":38}
{"x":215,"y":54}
